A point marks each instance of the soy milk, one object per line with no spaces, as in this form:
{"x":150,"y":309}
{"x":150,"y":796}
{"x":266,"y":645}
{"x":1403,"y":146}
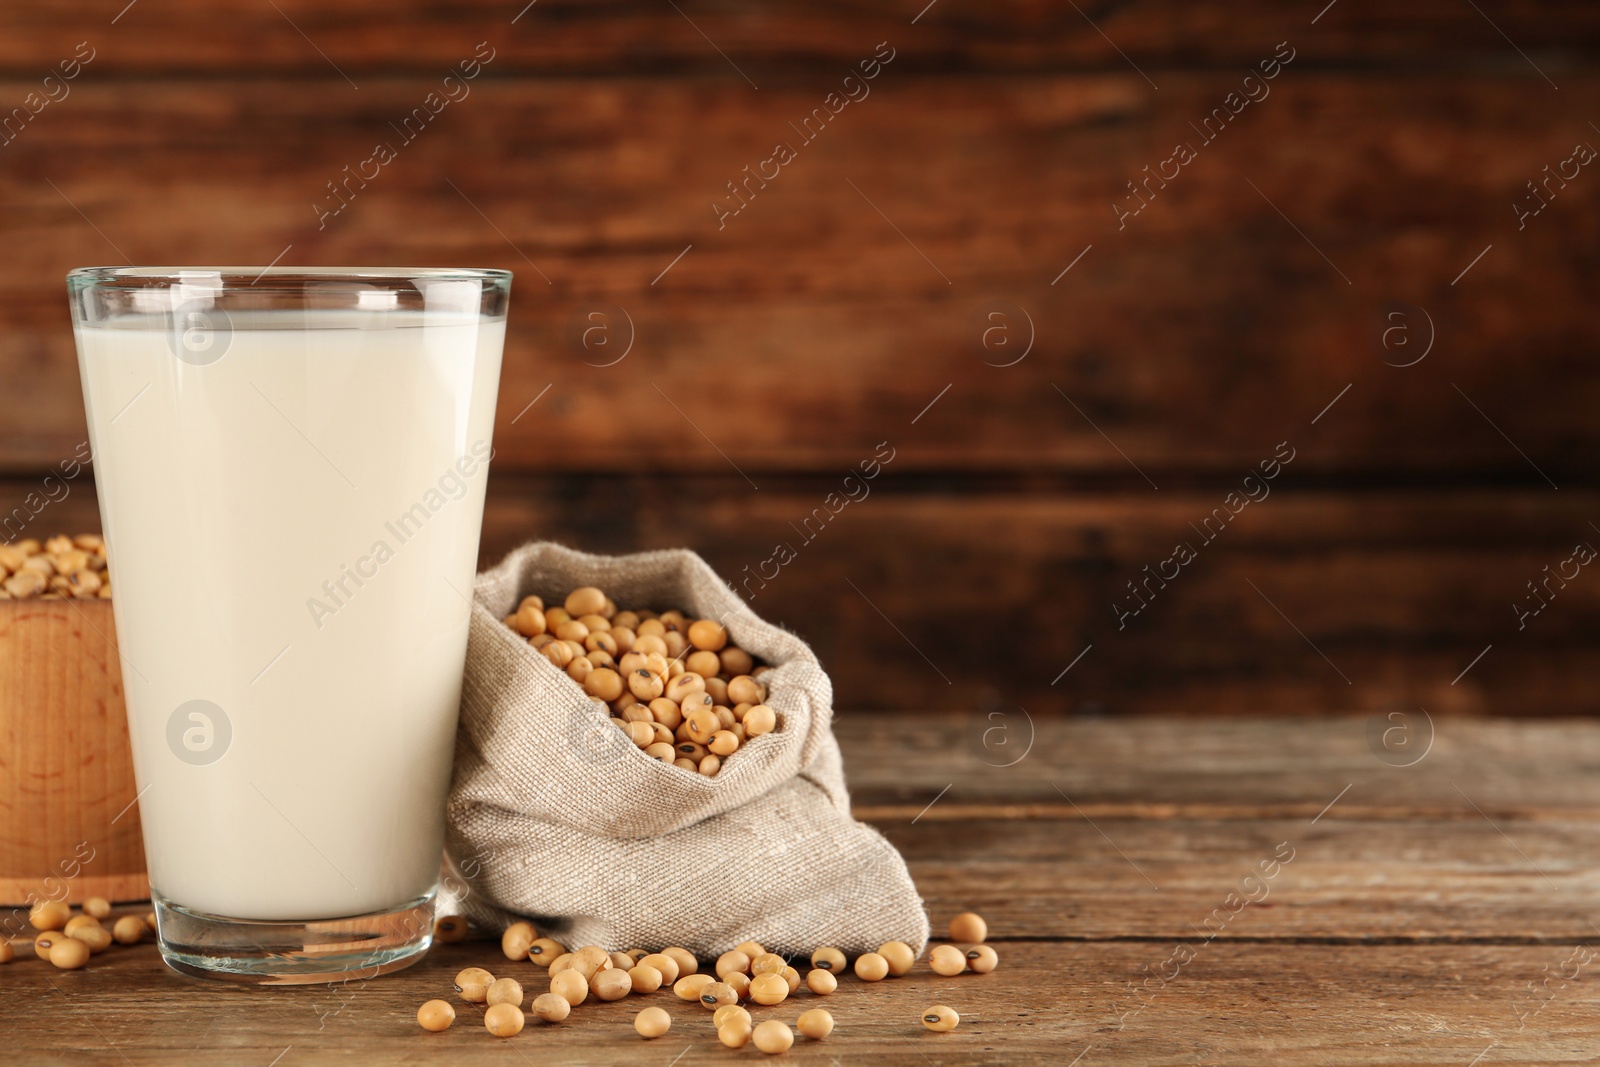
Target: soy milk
{"x":293,"y":533}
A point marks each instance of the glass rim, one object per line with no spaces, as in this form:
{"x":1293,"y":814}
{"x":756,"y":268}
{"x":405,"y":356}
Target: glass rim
{"x":261,"y":278}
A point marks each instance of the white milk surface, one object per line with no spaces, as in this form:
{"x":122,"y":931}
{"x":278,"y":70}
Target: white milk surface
{"x":230,"y":494}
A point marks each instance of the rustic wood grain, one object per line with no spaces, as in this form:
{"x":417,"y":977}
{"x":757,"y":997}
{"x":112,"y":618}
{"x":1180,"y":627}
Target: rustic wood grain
{"x":1374,"y":878}
{"x":67,"y":826}
{"x":1394,"y":938}
{"x":809,"y":329}
{"x":1230,"y":769}
{"x":1047,"y":1002}
{"x":932,"y":601}
{"x":1002,"y":585}
{"x":773,"y":41}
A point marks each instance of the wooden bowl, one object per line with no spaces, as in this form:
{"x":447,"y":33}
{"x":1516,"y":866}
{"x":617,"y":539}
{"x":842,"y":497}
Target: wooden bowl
{"x":69,"y":828}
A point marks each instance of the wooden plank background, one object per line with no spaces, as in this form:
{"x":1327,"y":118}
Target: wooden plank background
{"x":824,"y":318}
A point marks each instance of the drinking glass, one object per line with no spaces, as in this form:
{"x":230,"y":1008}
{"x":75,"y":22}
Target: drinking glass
{"x":290,"y":466}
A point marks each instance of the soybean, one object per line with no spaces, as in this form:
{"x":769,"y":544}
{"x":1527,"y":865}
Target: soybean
{"x":666,"y":713}
{"x":767,"y":963}
{"x":871,"y":967}
{"x":517,"y":939}
{"x":769,"y":989}
{"x":707,"y":634}
{"x":899,"y":956}
{"x":97,"y":937}
{"x":947,"y":960}
{"x":504,"y":991}
{"x":594,"y":959}
{"x":473,"y":984}
{"x":570,"y":986}
{"x":733,"y":960}
{"x":940,"y":1019}
{"x":687,"y":964}
{"x":49,"y":915}
{"x":828,"y":958}
{"x":529,"y":621}
{"x":436,"y":1016}
{"x":744,"y":689}
{"x":611,"y":984}
{"x":551,"y":1007}
{"x":604,"y":683}
{"x":981,"y":959}
{"x":645,"y":978}
{"x":503,"y":1020}
{"x":691,"y":986}
{"x":98,"y":907}
{"x":815,"y":1024}
{"x":760,"y":720}
{"x":447,"y":929}
{"x":735,"y":1033}
{"x":665,"y":964}
{"x":644,"y":685}
{"x":773,"y":1037}
{"x":720,"y":1017}
{"x":716,"y":994}
{"x":701,"y":725}
{"x":821,"y":982}
{"x":68,"y":953}
{"x":684,"y":686}
{"x":543,"y":951}
{"x":78,"y":922}
{"x":969,"y":928}
{"x":652,"y":1023}
{"x":705,"y":664}
{"x":585,"y":600}
{"x":128,"y":930}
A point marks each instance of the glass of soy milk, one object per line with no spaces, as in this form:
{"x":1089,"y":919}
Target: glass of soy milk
{"x":290,"y":465}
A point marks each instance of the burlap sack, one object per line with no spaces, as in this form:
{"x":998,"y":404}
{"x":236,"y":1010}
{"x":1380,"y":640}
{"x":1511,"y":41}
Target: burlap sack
{"x":556,"y":816}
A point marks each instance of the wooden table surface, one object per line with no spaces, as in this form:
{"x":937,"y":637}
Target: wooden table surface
{"x":1427,"y":898}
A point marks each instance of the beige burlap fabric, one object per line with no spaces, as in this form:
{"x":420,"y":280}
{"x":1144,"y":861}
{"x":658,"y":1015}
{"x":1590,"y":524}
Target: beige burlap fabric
{"x":556,"y":816}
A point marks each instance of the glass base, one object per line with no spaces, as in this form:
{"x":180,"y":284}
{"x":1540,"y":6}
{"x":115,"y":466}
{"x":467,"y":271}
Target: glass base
{"x":266,"y":952}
